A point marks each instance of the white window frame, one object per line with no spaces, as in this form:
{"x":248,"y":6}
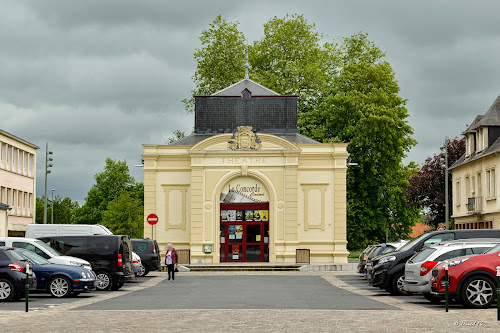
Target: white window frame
{"x":2,"y":155}
{"x":30,"y":163}
{"x":491,"y":184}
{"x":9,"y":156}
{"x":458,"y":199}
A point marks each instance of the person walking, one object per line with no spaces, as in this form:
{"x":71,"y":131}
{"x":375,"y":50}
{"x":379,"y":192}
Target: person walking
{"x":171,"y":260}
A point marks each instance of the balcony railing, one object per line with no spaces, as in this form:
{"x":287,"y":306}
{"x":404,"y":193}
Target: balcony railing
{"x":474,"y":204}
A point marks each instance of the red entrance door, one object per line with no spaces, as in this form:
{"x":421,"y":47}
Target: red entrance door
{"x":244,"y":232}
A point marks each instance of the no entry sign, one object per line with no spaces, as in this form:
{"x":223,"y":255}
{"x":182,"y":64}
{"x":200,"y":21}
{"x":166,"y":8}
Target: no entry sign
{"x":441,"y":228}
{"x":152,"y":219}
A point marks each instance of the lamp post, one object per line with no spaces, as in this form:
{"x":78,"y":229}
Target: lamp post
{"x":52,"y":207}
{"x":48,"y":165}
{"x":444,"y":149}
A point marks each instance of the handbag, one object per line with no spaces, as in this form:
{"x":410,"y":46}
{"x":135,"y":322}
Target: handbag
{"x":176,"y":269}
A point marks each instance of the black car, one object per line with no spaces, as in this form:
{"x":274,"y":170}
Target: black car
{"x":363,"y":257}
{"x":377,"y":251}
{"x":12,"y":275}
{"x":388,"y":269}
{"x":109,"y":255}
{"x":149,"y":252}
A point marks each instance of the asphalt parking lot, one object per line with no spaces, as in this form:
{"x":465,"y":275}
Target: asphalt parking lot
{"x":242,"y":292}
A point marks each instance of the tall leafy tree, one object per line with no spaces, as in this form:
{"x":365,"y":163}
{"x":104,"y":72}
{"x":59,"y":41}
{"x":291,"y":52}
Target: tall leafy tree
{"x":109,"y":184}
{"x":427,"y":187}
{"x":63,"y":209}
{"x":220,"y":60}
{"x":124,"y":215}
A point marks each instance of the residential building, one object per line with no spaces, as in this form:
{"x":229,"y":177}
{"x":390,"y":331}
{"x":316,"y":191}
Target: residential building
{"x":17,"y":182}
{"x":246,"y":187}
{"x":475,"y":183}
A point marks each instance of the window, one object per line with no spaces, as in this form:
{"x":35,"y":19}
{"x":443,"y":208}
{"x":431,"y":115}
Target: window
{"x":449,"y":255}
{"x":457,"y":192}
{"x":479,"y":187}
{"x":29,"y":204}
{"x":490,"y":183}
{"x":473,"y":185}
{"x":467,"y":186}
{"x":24,"y":162}
{"x":19,"y":202}
{"x":70,"y":246}
{"x":14,"y":159}
{"x":439,"y":238}
{"x":19,"y":161}
{"x":140,"y":246}
{"x":30,"y":158}
{"x":2,"y":243}
{"x":100,"y":245}
{"x":2,"y":155}
{"x":9,"y":155}
{"x":30,"y":247}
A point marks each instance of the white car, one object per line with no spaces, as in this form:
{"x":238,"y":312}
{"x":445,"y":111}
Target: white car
{"x":136,"y":263}
{"x":417,"y":269}
{"x":43,"y":250}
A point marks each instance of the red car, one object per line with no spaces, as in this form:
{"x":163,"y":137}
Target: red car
{"x":472,"y":278}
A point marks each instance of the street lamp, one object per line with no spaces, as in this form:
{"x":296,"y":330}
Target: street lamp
{"x":52,"y":207}
{"x":48,"y":165}
{"x":444,"y":162}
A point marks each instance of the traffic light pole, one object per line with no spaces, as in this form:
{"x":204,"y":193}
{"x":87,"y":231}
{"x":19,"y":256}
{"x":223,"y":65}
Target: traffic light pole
{"x":45,"y":196}
{"x":447,"y":202}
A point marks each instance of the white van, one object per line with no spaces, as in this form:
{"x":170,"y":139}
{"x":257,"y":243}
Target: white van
{"x":49,"y":230}
{"x":43,"y":250}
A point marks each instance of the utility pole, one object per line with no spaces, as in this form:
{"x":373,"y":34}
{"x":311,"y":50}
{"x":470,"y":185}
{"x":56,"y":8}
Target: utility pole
{"x":447,"y":202}
{"x":52,"y":208}
{"x":47,"y":171}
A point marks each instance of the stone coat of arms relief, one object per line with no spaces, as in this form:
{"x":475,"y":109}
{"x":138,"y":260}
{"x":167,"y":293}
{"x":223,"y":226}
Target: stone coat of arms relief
{"x":244,"y":138}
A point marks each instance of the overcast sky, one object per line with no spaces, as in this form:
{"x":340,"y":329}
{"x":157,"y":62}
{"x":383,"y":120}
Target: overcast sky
{"x":100,"y":78}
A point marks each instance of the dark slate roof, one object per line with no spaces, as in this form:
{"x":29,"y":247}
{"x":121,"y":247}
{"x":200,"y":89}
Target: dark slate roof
{"x":19,"y":139}
{"x":4,"y":206}
{"x":473,"y":126}
{"x":492,"y":116}
{"x":290,"y":137}
{"x":492,"y":149}
{"x":236,"y":89}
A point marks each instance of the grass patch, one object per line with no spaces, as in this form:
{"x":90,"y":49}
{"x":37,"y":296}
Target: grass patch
{"x":354,"y":254}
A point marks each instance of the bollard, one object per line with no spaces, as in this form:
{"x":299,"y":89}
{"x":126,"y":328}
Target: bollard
{"x":446,"y":277}
{"x":27,"y":286}
{"x":498,"y":293}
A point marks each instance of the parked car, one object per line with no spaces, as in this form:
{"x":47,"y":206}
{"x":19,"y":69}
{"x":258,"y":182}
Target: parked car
{"x":472,"y":278}
{"x":48,"y":230}
{"x":109,"y":255}
{"x":388,"y":269}
{"x":136,"y":263}
{"x":13,"y":276}
{"x":59,"y":280}
{"x":363,"y":257}
{"x":377,"y":251}
{"x":43,"y":250}
{"x":418,"y":268}
{"x":149,"y":252}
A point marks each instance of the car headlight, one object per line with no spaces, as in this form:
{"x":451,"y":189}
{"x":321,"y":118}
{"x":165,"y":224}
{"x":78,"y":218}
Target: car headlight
{"x":74,"y":263}
{"x":386,"y":259}
{"x":452,"y":263}
{"x":84,"y":275}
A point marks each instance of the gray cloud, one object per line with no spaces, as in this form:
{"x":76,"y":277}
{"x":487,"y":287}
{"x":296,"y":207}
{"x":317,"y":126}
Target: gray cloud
{"x":98,"y":79}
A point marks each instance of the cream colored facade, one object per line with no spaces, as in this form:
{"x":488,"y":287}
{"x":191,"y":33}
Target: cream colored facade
{"x":306,"y":184}
{"x":17,"y":183}
{"x":475,"y":181}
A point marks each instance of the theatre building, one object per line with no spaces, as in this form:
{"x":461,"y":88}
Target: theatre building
{"x":245,"y":186}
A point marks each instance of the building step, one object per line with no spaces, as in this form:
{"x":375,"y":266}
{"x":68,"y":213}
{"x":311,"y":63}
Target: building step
{"x":235,"y":267}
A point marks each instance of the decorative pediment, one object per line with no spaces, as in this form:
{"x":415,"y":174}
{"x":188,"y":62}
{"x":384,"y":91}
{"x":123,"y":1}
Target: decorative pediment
{"x":244,"y":138}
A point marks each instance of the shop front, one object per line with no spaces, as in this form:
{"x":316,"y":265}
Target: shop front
{"x":254,"y":191}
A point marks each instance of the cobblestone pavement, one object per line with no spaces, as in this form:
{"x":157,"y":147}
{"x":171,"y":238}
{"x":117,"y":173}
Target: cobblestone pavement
{"x":411,"y":318}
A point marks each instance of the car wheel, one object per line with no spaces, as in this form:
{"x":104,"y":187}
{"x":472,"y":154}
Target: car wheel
{"x":6,"y":290}
{"x":104,"y":280}
{"x":478,"y":292}
{"x":434,"y":299}
{"x":141,"y":271}
{"x":117,"y":286}
{"x":396,"y":285}
{"x":146,"y":270}
{"x":60,"y":286}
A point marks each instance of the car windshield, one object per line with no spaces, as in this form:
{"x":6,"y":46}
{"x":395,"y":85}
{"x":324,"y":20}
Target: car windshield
{"x":34,"y":257}
{"x":389,"y":249}
{"x":494,"y":249}
{"x":423,"y":255}
{"x":48,"y":248}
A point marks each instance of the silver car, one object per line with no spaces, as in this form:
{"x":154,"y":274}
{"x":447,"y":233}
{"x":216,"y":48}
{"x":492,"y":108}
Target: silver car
{"x":418,"y":268}
{"x":136,"y":263}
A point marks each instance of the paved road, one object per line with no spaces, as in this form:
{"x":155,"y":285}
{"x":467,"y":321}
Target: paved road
{"x":242,"y":292}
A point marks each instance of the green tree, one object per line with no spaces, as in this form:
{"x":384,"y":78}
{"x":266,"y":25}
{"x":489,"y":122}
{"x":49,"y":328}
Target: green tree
{"x":63,"y":209}
{"x":220,"y":60}
{"x":125,"y":215}
{"x":109,"y":184}
{"x":177,"y":135}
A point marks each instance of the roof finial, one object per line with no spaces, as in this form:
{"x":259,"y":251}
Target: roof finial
{"x":246,"y":64}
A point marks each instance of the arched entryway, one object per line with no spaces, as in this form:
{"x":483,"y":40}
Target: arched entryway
{"x":244,"y":218}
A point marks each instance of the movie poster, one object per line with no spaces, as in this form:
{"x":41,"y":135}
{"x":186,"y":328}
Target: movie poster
{"x":248,"y":215}
{"x":231,"y":232}
{"x":235,"y":249}
{"x":239,"y":215}
{"x":239,"y":231}
{"x":264,"y":215}
{"x":256,"y":215}
{"x":231,"y":215}
{"x":223,"y":215}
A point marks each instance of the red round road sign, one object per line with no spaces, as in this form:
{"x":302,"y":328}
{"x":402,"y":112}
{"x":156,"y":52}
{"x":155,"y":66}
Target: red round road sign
{"x":441,"y":228}
{"x":152,"y":219}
